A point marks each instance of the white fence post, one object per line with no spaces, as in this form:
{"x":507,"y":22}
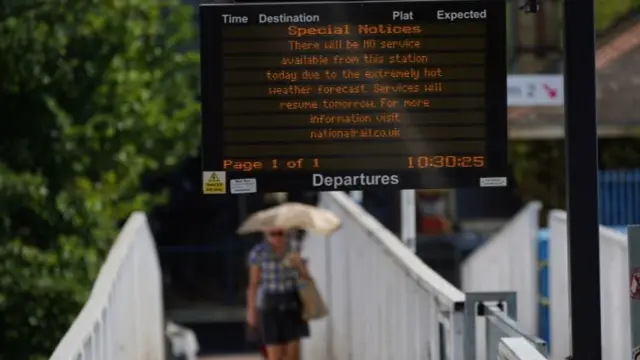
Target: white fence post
{"x":614,"y":297}
{"x":633,"y":236}
{"x":508,"y":261}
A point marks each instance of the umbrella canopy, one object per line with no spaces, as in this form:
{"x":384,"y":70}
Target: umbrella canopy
{"x":292,"y":216}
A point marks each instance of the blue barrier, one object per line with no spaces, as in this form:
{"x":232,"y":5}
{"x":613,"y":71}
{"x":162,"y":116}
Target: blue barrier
{"x":619,"y":192}
{"x":543,"y":286}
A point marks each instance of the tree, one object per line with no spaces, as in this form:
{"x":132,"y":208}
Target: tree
{"x":608,"y":12}
{"x":94,"y":93}
{"x":539,"y":171}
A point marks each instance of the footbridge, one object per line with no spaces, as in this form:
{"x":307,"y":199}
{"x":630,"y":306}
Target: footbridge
{"x":385,"y":303}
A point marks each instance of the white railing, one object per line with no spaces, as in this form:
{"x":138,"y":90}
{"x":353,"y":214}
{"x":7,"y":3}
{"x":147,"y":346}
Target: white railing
{"x":499,"y":326}
{"x":123,"y":318}
{"x":614,"y":296}
{"x":384,"y":302}
{"x":508,"y":261}
{"x":517,"y":349}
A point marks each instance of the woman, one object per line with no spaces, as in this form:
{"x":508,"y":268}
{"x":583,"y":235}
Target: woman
{"x":280,"y":318}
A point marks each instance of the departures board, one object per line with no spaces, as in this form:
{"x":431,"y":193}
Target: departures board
{"x":353,"y":96}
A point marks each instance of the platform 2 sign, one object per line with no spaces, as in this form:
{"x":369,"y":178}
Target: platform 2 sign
{"x":353,"y":95}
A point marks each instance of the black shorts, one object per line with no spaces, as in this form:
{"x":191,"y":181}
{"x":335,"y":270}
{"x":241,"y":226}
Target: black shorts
{"x":281,"y":319}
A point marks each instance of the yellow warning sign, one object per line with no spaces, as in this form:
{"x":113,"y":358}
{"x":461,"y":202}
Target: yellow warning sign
{"x":214,"y":182}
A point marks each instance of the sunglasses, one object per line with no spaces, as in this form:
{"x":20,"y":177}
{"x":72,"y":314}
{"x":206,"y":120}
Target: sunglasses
{"x":276,"y":233}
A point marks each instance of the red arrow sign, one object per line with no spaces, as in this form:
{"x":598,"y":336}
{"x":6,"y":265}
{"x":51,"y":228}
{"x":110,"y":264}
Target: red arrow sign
{"x":550,"y":91}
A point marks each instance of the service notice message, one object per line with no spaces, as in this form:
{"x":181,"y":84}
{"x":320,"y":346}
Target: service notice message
{"x":354,"y":95}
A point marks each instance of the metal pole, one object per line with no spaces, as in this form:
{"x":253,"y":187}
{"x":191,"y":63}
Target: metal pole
{"x":633,"y":236}
{"x":408,"y":218}
{"x":582,"y":179}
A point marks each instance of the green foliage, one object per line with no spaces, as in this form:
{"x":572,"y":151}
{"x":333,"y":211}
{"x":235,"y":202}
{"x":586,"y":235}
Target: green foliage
{"x":538,"y":170}
{"x":94,"y":93}
{"x":620,"y":153}
{"x":41,"y":292}
{"x":610,"y":11}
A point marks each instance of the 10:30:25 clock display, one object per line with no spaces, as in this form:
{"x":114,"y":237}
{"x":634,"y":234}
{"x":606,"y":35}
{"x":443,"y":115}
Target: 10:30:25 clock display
{"x":445,"y":161}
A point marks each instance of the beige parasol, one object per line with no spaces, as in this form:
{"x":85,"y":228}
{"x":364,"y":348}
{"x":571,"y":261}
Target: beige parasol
{"x":292,"y":216}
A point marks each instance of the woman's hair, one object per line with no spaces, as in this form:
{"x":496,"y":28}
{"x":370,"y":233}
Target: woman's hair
{"x":299,"y":234}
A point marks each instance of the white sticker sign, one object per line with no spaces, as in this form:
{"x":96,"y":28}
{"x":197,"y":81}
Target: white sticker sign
{"x":243,"y":186}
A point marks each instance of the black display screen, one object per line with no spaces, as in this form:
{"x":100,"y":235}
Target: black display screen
{"x":353,"y":95}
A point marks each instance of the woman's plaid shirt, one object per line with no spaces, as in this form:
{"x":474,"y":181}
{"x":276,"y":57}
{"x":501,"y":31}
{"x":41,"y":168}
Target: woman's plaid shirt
{"x":275,"y":277}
